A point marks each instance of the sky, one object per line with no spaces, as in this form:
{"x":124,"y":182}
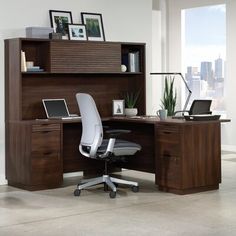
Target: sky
{"x":204,"y":34}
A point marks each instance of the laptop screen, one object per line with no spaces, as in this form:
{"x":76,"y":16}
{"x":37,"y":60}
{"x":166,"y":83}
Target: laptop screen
{"x":55,"y":108}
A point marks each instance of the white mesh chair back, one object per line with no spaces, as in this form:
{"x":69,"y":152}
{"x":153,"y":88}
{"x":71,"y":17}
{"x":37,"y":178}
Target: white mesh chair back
{"x":92,"y":131}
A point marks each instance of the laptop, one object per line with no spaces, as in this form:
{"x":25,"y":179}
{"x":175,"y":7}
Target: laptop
{"x":57,"y":109}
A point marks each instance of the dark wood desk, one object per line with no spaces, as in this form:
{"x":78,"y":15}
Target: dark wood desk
{"x":185,"y":156}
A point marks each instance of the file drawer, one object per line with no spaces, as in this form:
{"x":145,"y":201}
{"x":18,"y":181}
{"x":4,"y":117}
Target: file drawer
{"x":170,"y":171}
{"x":168,"y":133}
{"x":46,"y":160}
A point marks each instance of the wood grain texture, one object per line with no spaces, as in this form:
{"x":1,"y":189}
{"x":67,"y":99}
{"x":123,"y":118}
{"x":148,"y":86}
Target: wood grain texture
{"x":188,"y":156}
{"x":74,"y":57}
{"x":34,"y":149}
{"x":103,"y":88}
{"x":143,"y":134}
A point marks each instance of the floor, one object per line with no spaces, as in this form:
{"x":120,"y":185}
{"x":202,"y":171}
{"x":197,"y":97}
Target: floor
{"x":149,"y":212}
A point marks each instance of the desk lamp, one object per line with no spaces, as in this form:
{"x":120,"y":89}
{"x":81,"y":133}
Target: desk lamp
{"x":185,"y":82}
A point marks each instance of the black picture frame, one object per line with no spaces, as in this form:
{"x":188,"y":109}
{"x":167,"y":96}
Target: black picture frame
{"x":60,"y":20}
{"x":94,"y":25}
{"x":77,"y":32}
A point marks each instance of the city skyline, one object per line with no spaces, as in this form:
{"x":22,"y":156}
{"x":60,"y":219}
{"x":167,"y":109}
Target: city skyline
{"x":204,"y":53}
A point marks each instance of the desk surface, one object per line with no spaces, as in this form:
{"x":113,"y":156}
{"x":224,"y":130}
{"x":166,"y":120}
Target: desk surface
{"x":134,"y":119}
{"x":155,"y":119}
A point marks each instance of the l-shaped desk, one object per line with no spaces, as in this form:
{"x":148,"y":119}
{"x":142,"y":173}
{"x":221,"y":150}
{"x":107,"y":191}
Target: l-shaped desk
{"x":185,"y":156}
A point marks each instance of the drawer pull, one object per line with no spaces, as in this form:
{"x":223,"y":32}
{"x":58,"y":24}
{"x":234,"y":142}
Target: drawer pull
{"x":46,"y":131}
{"x":47,"y":153}
{"x":167,"y":155}
{"x":167,"y":132}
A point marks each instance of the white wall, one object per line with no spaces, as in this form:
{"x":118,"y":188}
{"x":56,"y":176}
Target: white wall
{"x":174,"y":55}
{"x":123,"y":21}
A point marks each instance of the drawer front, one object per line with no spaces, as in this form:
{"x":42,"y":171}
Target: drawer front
{"x":168,"y":149}
{"x":46,"y":169}
{"x":46,"y":141}
{"x":46,"y":127}
{"x":168,"y":133}
{"x":169,"y":172}
{"x":46,"y":161}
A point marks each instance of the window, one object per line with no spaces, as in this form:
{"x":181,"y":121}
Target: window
{"x":204,"y":53}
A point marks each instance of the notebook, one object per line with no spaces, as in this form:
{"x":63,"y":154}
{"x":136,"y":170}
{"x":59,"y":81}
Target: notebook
{"x":57,"y":109}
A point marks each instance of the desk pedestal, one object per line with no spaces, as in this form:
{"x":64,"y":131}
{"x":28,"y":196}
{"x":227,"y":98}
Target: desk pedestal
{"x":188,"y":156}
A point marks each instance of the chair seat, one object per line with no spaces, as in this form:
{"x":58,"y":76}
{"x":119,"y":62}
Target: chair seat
{"x":121,"y":147}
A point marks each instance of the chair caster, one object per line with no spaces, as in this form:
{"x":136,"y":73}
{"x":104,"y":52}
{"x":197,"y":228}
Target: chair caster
{"x":112,"y":194}
{"x":135,"y":189}
{"x":77,"y":192}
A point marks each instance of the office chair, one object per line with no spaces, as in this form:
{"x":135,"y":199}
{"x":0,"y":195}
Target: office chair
{"x":198,"y":107}
{"x":92,"y":145}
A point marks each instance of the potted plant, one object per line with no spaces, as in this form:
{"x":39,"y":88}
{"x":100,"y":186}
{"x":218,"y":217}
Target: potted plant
{"x":131,"y":99}
{"x":169,"y":96}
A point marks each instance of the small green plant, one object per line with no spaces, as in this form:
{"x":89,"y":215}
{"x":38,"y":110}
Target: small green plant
{"x":169,"y":96}
{"x":131,"y":99}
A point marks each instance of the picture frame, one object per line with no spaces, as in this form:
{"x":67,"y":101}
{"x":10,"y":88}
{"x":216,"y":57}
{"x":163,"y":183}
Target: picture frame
{"x":118,"y":107}
{"x":59,"y":22}
{"x":94,"y":26}
{"x":77,"y":32}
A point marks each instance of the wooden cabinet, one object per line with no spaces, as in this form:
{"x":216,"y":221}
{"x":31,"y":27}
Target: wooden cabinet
{"x":169,"y":152}
{"x":85,"y":57}
{"x":46,"y":158}
{"x":188,"y":156}
{"x":34,"y":148}
{"x":34,"y":160}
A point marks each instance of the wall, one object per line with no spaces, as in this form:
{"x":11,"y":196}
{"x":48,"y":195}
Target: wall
{"x":123,"y":21}
{"x":174,"y":54}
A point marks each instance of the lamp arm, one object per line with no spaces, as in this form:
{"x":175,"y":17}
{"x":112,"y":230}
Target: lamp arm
{"x":187,"y":100}
{"x":185,"y":82}
{"x":189,"y":91}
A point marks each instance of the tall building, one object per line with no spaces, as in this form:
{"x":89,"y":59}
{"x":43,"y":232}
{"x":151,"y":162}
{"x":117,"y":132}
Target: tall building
{"x":207,"y":73}
{"x":219,"y":69}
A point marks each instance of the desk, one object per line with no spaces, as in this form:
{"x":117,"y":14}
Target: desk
{"x":185,"y":156}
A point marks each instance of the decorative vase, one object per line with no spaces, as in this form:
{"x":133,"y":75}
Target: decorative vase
{"x":123,"y":68}
{"x":131,"y":111}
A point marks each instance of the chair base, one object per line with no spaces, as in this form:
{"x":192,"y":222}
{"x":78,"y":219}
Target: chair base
{"x":109,"y":181}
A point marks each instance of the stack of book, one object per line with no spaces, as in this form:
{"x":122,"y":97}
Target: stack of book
{"x":34,"y":69}
{"x":131,"y":61}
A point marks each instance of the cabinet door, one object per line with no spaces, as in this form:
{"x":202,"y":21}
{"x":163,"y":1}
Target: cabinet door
{"x":46,"y":161}
{"x":85,"y":57}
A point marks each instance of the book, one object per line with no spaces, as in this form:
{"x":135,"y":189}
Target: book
{"x":34,"y":69}
{"x":23,"y":62}
{"x":133,"y":58}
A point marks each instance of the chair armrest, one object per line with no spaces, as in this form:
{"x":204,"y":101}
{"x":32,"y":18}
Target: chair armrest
{"x":116,"y":132}
{"x":109,"y":149}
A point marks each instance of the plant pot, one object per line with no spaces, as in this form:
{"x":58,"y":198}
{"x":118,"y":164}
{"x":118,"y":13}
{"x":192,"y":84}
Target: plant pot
{"x":131,"y":111}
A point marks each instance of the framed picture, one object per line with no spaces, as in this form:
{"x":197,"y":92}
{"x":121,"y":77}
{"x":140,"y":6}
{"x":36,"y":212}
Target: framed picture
{"x":60,"y":21}
{"x":94,"y":26}
{"x":118,"y":107}
{"x":77,"y":32}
